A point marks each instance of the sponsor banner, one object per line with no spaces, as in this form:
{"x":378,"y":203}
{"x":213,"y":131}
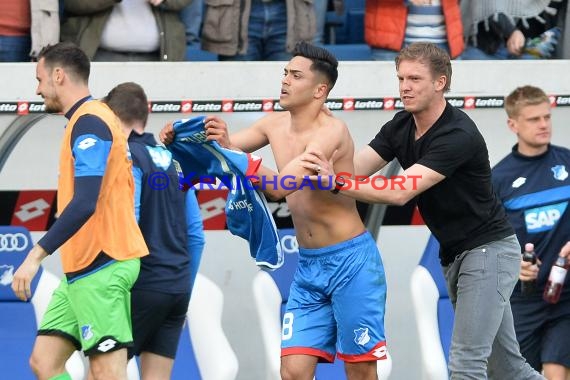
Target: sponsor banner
{"x":269,"y":105}
{"x":35,"y":210}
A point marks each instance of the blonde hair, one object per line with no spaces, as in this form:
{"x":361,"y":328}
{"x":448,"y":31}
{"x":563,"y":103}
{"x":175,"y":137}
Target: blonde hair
{"x":522,"y":97}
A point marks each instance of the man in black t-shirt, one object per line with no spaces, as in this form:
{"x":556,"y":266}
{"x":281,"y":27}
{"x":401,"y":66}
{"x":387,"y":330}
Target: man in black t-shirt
{"x":446,"y":167}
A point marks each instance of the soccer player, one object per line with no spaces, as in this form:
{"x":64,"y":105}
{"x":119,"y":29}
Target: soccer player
{"x":96,"y":232}
{"x":161,"y":294}
{"x":447,"y":168}
{"x":338,"y":295}
{"x":533,"y":183}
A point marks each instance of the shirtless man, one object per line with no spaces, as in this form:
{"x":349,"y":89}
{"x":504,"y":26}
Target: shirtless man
{"x":337,"y":299}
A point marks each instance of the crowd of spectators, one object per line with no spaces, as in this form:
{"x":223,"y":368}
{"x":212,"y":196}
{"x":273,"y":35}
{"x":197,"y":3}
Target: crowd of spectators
{"x":245,"y":30}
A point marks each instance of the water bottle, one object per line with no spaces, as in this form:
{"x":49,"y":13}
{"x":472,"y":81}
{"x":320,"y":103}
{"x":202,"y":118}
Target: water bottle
{"x":528,"y":288}
{"x":556,"y":280}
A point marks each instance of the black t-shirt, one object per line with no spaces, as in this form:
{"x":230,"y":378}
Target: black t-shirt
{"x":462,"y":211}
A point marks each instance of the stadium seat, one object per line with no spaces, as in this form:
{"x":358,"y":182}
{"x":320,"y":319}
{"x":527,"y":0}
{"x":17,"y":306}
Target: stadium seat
{"x":434,"y":313}
{"x":351,"y":52}
{"x":19,"y":320}
{"x":199,"y":55}
{"x":271,"y":291}
{"x":203,"y":350}
{"x":346,"y":27}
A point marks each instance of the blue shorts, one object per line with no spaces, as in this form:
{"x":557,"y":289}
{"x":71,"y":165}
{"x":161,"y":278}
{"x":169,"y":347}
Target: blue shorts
{"x":337,"y":302}
{"x":542,"y":330}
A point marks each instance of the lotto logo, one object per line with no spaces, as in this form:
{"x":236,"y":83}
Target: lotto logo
{"x":106,"y":345}
{"x":380,"y":352}
{"x":86,"y":143}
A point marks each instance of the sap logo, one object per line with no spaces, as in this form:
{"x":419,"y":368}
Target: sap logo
{"x":544,"y":218}
{"x":6,"y":274}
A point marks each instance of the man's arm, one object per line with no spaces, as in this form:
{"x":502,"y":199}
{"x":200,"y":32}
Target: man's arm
{"x":397,"y":190}
{"x":248,"y":140}
{"x":367,"y":162}
{"x":90,"y":143}
{"x":277,"y":185}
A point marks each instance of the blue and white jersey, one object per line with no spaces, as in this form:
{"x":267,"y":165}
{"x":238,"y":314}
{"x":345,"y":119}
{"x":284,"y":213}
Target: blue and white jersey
{"x":536,"y":194}
{"x":248,"y":215}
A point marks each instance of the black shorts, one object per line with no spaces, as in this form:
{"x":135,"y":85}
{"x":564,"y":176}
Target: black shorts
{"x":158,"y":319}
{"x":542,"y":330}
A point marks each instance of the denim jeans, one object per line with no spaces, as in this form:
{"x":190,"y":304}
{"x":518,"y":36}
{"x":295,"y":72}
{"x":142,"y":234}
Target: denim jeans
{"x":191,"y":16}
{"x":480,"y":283}
{"x":473,"y":53}
{"x":321,"y":17}
{"x":267,"y":33}
{"x":15,"y":48}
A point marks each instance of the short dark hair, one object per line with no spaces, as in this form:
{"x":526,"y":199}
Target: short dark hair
{"x":70,"y":57}
{"x":522,"y":97}
{"x":435,"y":57}
{"x":324,"y":61}
{"x":129,"y":102}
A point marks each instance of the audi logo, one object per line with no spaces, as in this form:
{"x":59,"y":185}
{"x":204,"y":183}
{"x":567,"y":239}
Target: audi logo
{"x":13,"y":242}
{"x":289,"y":244}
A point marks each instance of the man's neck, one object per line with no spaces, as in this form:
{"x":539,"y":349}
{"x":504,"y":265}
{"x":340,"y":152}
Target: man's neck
{"x":531,"y":151}
{"x":426,"y":119}
{"x":70,"y":97}
{"x":303,"y":118}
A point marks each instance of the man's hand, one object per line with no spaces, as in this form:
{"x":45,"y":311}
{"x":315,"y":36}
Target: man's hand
{"x":217,"y":130}
{"x":21,"y":284}
{"x":316,"y":161}
{"x":515,"y":43}
{"x":565,"y":251}
{"x":529,"y":271}
{"x":166,"y":134}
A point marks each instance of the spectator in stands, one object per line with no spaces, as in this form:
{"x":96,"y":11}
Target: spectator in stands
{"x":527,"y":29}
{"x":134,"y":30}
{"x":15,"y":39}
{"x":44,"y":29}
{"x":390,"y":25}
{"x":265,"y":30}
{"x":532,"y":181}
{"x":191,"y":16}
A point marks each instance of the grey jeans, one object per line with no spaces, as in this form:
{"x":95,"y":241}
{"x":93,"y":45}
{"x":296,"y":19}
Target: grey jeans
{"x":480,"y":282}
